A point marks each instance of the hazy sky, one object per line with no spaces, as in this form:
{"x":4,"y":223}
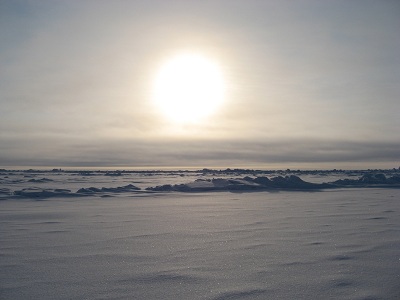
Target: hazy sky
{"x":309,"y":84}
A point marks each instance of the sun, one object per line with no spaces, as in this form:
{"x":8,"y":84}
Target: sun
{"x":188,"y":88}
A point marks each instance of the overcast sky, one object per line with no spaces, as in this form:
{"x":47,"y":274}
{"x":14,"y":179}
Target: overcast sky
{"x":309,"y":84}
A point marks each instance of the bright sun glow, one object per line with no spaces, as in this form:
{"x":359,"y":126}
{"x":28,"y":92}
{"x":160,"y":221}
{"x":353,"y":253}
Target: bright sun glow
{"x":188,"y":88}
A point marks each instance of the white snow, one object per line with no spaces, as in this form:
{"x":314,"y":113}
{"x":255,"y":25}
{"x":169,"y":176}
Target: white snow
{"x":331,"y":244}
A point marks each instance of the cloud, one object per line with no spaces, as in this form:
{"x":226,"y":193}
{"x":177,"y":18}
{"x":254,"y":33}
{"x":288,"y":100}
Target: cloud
{"x":198,"y":153}
{"x":307,"y":81}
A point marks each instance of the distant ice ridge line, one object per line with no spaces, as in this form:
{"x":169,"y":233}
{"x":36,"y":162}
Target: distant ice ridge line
{"x":291,"y":182}
{"x":247,"y":183}
{"x":36,"y":192}
{"x":244,"y":184}
{"x":121,"y":189}
{"x":40,"y":180}
{"x":204,"y":171}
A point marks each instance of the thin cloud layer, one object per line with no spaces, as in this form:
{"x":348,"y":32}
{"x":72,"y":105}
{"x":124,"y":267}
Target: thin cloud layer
{"x":308,"y":82}
{"x":201,"y":153}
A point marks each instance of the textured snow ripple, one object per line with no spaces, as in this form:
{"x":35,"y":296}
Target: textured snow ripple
{"x":243,"y":294}
{"x":330,"y":244}
{"x":163,"y":278}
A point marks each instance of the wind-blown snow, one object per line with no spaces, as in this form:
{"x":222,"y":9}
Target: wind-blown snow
{"x":276,"y":243}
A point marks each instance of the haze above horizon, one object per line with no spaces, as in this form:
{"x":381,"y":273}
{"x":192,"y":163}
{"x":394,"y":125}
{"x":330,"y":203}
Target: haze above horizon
{"x":264,"y":84}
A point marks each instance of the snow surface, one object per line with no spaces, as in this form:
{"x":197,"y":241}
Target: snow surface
{"x":118,"y":242}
